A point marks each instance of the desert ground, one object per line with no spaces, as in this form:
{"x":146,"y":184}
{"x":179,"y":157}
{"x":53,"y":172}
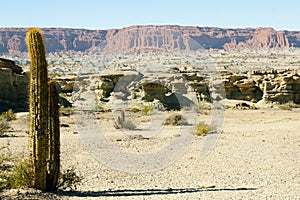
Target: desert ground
{"x":256,"y":156}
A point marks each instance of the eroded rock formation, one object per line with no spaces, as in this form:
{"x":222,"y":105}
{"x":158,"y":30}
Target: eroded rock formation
{"x":13,"y":87}
{"x":173,"y":90}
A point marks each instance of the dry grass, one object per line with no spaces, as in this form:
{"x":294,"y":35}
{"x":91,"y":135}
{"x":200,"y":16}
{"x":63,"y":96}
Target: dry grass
{"x":8,"y":115}
{"x":122,"y":122}
{"x":176,"y":120}
{"x":13,"y":173}
{"x":203,"y":129}
{"x":4,"y":126}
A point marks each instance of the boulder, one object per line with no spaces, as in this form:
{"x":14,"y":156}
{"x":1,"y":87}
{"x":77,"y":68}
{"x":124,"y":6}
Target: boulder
{"x":9,"y":64}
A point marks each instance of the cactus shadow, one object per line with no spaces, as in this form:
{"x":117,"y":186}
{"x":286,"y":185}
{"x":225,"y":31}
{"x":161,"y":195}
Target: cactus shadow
{"x":146,"y":192}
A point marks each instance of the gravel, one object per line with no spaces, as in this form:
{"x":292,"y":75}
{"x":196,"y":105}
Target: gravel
{"x":257,"y":156}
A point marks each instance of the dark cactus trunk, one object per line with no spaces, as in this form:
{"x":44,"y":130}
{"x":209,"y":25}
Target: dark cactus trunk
{"x":54,"y":136}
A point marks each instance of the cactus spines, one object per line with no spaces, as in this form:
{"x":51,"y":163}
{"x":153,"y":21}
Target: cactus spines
{"x":54,"y":136}
{"x":38,"y":103}
{"x":44,"y":118}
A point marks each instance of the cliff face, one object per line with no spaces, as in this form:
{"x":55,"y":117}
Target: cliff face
{"x":151,"y":38}
{"x":12,"y":40}
{"x":13,"y":87}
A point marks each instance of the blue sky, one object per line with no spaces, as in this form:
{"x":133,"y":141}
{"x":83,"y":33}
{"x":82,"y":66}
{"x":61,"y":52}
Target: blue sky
{"x":99,"y":14}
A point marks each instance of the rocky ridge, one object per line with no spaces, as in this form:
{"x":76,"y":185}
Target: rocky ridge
{"x":150,"y":38}
{"x":168,"y":85}
{"x":280,"y":86}
{"x":182,"y":88}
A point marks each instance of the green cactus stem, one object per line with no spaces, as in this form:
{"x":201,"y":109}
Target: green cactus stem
{"x":38,"y":103}
{"x":54,"y":137}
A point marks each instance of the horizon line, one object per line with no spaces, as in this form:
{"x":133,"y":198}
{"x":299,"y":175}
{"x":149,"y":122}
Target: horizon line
{"x":145,"y":25}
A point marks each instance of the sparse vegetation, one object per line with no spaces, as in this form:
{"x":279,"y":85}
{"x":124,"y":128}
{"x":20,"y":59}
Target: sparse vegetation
{"x":19,"y":176}
{"x":13,"y":173}
{"x":203,"y":129}
{"x":203,"y":105}
{"x":8,"y":115}
{"x":135,"y":109}
{"x":176,"y":119}
{"x":68,"y":180}
{"x":4,"y":126}
{"x":122,"y":122}
{"x":146,"y":110}
{"x":129,"y":124}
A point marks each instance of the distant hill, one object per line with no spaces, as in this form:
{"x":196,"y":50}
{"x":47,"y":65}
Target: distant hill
{"x":151,"y":39}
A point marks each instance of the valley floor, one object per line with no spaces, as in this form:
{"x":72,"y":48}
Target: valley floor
{"x":257,"y":156}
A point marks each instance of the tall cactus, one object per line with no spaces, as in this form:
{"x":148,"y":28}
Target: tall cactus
{"x":44,"y":125}
{"x":38,"y":104}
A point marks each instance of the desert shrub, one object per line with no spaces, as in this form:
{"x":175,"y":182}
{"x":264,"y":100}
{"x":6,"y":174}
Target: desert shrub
{"x":13,"y":175}
{"x":203,"y":105}
{"x":203,"y":129}
{"x":129,"y":124}
{"x":8,"y":115}
{"x":122,"y":122}
{"x":134,"y":109}
{"x":176,"y":120}
{"x":4,"y":126}
{"x":146,"y":110}
{"x":68,"y":180}
{"x":19,"y":176}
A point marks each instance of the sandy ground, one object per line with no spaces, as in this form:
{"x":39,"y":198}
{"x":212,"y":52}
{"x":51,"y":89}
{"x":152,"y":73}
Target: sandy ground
{"x":257,"y":156}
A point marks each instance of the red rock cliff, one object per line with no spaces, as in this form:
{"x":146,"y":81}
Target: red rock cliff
{"x":151,"y":38}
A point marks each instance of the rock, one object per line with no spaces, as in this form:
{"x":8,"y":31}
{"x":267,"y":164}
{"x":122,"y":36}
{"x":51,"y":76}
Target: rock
{"x":106,"y":87}
{"x":64,"y":102}
{"x":262,"y":38}
{"x":241,"y":87}
{"x":117,"y":82}
{"x":9,"y":64}
{"x":67,"y":87}
{"x":245,"y":83}
{"x":242,"y":106}
{"x":176,"y":101}
{"x":137,"y":39}
{"x":283,"y":88}
{"x":155,"y":90}
{"x":173,"y":91}
{"x":14,"y":90}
